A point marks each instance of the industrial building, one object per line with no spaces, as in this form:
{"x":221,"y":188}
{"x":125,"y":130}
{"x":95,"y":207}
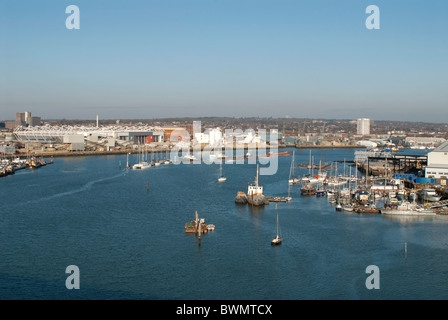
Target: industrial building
{"x":79,"y":137}
{"x":437,"y":166}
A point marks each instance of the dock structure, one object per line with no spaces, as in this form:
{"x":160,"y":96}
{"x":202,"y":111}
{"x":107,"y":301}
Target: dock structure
{"x":386,"y":165}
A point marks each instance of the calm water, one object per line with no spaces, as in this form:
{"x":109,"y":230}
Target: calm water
{"x":129,"y":241}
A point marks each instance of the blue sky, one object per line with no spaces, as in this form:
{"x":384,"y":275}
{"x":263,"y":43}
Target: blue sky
{"x":240,"y":58}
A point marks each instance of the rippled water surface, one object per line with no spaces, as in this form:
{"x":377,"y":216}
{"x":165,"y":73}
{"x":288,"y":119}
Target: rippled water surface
{"x":125,"y":232}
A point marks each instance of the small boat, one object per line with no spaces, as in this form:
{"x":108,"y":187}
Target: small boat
{"x":277,"y":154}
{"x":338,"y":207}
{"x":308,"y":190}
{"x":278,"y":239}
{"x":330,"y":194}
{"x":362,"y":195}
{"x":141,"y":165}
{"x":221,"y":177}
{"x":189,"y":157}
{"x":309,"y":179}
{"x":320,"y":191}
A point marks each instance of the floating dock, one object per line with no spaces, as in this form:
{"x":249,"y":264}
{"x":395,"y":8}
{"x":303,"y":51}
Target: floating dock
{"x":278,"y":199}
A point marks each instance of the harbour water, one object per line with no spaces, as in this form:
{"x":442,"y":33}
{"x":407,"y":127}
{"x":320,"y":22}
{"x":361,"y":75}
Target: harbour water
{"x":124,"y":229}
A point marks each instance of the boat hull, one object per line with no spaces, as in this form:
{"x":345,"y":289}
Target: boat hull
{"x":256,"y":200}
{"x":408,"y":212}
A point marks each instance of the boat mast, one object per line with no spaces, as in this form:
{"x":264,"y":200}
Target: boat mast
{"x":310,"y":165}
{"x":277,"y":224}
{"x":291,"y":170}
{"x":256,"y":177}
{"x":277,"y":217}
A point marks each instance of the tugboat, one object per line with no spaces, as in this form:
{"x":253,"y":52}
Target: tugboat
{"x":255,"y":196}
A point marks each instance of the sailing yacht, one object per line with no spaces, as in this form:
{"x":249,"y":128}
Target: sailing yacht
{"x":278,"y":239}
{"x":311,"y":178}
{"x":292,"y":179}
{"x":143,"y":164}
{"x":289,"y":198}
{"x":221,"y":177}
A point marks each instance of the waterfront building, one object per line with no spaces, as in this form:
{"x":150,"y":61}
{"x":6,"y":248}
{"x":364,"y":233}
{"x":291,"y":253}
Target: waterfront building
{"x":437,"y":166}
{"x":77,"y":136}
{"x":416,"y":142}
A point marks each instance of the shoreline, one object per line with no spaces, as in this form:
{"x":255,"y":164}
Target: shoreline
{"x":58,"y":154}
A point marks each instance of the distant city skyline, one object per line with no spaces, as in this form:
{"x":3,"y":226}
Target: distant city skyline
{"x":233,"y":58}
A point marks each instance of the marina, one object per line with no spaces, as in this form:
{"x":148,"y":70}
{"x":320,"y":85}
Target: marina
{"x":10,"y":166}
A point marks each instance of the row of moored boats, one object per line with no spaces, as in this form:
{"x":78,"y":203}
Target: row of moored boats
{"x":10,"y":166}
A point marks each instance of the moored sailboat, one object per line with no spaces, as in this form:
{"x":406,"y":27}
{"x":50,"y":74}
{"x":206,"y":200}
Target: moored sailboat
{"x":221,"y":176}
{"x":278,"y":239}
{"x":292,"y":178}
{"x":143,"y":164}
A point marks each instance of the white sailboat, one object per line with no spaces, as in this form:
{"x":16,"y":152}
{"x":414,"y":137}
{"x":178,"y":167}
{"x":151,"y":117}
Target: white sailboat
{"x":292,"y":179}
{"x":167,"y":158}
{"x":278,"y":239}
{"x":289,"y":198}
{"x":310,"y":178}
{"x":221,"y":176}
{"x":143,"y":164}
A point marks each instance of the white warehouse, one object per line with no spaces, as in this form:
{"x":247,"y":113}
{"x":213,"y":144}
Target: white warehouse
{"x":437,"y":166}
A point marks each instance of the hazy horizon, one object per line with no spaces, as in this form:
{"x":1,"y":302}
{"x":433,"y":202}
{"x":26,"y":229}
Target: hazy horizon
{"x":225,"y":58}
{"x":123,"y":120}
